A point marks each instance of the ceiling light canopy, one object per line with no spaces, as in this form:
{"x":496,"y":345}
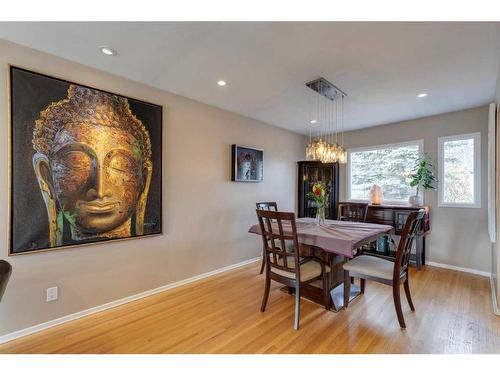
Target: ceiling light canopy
{"x":222,"y":83}
{"x":108,"y":51}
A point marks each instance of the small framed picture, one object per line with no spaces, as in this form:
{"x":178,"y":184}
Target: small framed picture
{"x":247,"y":164}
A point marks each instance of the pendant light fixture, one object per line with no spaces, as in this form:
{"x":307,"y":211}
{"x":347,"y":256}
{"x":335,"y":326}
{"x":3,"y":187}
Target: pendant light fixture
{"x":326,"y":105}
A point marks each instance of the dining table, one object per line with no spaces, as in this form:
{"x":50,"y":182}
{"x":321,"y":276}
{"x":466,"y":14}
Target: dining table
{"x":335,"y":242}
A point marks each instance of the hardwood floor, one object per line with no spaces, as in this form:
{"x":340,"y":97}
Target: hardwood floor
{"x":221,"y":315}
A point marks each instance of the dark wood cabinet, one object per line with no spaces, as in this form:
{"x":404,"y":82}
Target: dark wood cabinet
{"x":393,"y":215}
{"x":311,"y":172}
{"x":396,"y":216}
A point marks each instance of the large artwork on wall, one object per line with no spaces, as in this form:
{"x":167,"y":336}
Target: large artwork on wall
{"x":86,"y":165}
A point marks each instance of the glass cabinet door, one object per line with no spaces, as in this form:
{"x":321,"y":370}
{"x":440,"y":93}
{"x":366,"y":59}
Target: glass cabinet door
{"x":327,"y":178}
{"x":314,"y":175}
{"x":311,"y":173}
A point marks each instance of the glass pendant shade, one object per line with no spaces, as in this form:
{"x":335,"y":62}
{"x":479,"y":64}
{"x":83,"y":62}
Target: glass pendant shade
{"x":331,"y":157}
{"x":343,"y":157}
{"x":311,"y":151}
{"x":321,"y":149}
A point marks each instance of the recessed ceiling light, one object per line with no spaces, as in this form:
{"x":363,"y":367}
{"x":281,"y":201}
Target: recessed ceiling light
{"x":108,"y":51}
{"x":313,"y":121}
{"x":221,"y":83}
{"x":422,"y":95}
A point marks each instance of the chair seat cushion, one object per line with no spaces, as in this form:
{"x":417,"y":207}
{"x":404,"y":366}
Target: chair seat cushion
{"x":308,"y":271}
{"x":371,"y":266}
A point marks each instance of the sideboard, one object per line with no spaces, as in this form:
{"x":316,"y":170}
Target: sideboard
{"x":396,"y":216}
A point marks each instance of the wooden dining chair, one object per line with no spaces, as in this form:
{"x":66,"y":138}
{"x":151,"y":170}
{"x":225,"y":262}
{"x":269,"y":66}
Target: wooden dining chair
{"x":5,"y":271}
{"x":265,"y":206}
{"x":386,"y":271}
{"x":350,"y":211}
{"x":284,"y":266}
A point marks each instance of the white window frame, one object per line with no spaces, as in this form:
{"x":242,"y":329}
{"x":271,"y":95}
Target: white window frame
{"x":417,"y":142}
{"x":477,"y":170}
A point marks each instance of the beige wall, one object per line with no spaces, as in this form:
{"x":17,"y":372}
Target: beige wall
{"x":459,"y":236}
{"x":206,"y":216}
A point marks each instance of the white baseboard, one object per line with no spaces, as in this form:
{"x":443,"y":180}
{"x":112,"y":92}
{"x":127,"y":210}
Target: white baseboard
{"x":496,"y":310}
{"x":461,"y":269}
{"x":109,"y":305}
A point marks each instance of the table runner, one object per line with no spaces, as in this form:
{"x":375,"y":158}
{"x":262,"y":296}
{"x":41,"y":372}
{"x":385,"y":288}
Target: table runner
{"x":339,"y":237}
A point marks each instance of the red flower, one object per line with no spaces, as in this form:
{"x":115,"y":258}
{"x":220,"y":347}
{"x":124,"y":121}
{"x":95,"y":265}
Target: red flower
{"x":317,"y":192}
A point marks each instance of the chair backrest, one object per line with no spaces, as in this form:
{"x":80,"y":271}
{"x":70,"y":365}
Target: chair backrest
{"x":5,"y":271}
{"x":349,"y":211}
{"x":410,"y":230}
{"x":268,"y":206}
{"x":276,"y":228}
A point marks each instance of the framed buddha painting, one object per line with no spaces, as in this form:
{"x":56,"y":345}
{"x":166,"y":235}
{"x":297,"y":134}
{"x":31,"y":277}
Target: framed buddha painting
{"x":86,"y":164}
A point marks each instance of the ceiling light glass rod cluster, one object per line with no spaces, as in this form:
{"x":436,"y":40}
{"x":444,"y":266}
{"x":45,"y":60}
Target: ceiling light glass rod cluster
{"x":326,"y":134}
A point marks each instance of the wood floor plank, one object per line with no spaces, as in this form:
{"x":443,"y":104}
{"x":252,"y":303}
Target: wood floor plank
{"x":222,"y":314}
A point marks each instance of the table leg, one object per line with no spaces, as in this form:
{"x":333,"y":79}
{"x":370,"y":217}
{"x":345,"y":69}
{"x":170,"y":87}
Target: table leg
{"x":335,"y":286}
{"x":331,"y":259}
{"x":337,"y":293}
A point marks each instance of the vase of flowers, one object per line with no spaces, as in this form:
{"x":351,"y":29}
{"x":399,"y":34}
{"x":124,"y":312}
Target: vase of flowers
{"x":319,"y":196}
{"x":423,"y":177}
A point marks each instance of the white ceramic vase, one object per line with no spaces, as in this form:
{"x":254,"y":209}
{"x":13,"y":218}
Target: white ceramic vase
{"x":416,"y":200}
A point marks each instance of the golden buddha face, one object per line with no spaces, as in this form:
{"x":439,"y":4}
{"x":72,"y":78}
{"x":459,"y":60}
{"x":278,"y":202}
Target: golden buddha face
{"x":93,"y":166}
{"x":97,"y":175}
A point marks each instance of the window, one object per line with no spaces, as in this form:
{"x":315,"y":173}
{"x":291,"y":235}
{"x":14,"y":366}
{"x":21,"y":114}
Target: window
{"x":460,"y":171}
{"x":388,"y":166}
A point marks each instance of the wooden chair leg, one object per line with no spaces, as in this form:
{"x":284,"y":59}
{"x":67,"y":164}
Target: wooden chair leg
{"x":408,"y":295}
{"x":266,"y":293}
{"x":297,"y":307}
{"x":397,"y":304}
{"x":347,"y":288}
{"x":362,"y":285}
{"x":263,"y":265}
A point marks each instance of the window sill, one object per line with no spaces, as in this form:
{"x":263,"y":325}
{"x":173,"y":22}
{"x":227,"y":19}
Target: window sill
{"x":458,"y":205}
{"x":384,"y":203}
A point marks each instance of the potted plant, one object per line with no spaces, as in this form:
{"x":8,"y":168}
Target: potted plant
{"x":319,"y":196}
{"x":422,"y":176}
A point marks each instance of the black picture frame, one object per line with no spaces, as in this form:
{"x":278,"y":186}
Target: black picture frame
{"x":24,"y":192}
{"x":247,"y":164}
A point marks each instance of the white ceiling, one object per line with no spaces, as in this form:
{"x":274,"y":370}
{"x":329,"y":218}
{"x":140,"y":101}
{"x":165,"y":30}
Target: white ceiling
{"x":382,"y":66}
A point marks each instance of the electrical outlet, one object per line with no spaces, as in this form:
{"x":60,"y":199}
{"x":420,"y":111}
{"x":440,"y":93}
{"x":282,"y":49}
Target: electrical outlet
{"x":52,"y":293}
